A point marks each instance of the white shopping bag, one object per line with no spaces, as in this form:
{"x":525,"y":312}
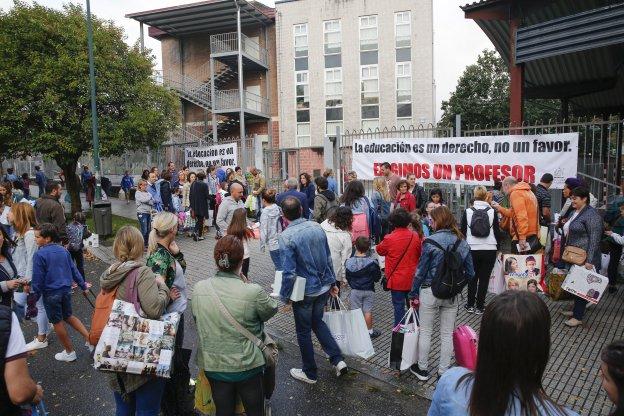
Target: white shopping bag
{"x":298,"y":292}
{"x":586,"y":284}
{"x":497,"y":278}
{"x":404,"y":344}
{"x":350,"y":332}
{"x":93,"y":241}
{"x":604,"y":264}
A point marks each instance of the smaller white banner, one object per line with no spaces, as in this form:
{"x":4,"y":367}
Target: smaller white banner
{"x":202,"y":157}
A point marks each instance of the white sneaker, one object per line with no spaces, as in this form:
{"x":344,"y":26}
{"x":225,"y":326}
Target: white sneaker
{"x":341,"y":368}
{"x":90,"y":347}
{"x":35,"y":344}
{"x":298,"y":374}
{"x":66,"y":356}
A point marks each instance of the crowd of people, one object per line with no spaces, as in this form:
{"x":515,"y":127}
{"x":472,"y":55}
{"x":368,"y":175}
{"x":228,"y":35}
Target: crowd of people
{"x":340,"y":240}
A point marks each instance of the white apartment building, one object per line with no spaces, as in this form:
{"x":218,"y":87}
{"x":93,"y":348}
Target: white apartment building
{"x":353,"y":64}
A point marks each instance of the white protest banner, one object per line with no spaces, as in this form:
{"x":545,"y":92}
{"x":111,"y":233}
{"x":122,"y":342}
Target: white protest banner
{"x":470,"y":160}
{"x":201,"y":157}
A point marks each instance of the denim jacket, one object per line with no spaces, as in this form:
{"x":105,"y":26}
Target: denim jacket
{"x":431,"y":257}
{"x":305,"y":253}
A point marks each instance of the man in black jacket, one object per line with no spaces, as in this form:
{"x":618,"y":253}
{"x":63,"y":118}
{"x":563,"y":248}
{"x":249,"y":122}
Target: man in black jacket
{"x":49,"y":209}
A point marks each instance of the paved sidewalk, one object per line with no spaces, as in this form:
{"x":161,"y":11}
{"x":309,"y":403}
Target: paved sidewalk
{"x":571,"y":377}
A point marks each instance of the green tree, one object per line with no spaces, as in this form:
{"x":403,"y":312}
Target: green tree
{"x":482,"y":96}
{"x":45,"y":90}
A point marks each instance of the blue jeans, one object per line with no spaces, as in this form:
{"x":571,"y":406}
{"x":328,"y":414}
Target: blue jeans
{"x":145,"y":401}
{"x":309,"y":317}
{"x":145,"y":222}
{"x":399,"y":301}
{"x":277,"y":259}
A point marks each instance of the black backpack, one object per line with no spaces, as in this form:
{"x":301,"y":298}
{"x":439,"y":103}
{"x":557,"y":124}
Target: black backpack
{"x":450,"y":278}
{"x":480,"y":222}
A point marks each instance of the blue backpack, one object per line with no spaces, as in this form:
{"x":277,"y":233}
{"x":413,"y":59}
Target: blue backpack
{"x":374,"y":221}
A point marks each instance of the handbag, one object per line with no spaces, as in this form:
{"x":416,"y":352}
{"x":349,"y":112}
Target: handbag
{"x":268,"y":346}
{"x":384,"y":280}
{"x":532,"y":240}
{"x":574,"y":255}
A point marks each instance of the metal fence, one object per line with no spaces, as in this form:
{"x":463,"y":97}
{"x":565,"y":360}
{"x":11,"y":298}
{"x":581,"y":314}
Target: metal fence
{"x":600,"y":149}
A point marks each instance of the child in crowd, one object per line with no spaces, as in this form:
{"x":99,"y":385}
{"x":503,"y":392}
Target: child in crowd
{"x":177,"y":203}
{"x":53,"y":271}
{"x":362,"y":272}
{"x":77,"y":231}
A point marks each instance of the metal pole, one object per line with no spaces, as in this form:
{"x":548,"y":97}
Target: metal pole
{"x":458,"y":131}
{"x":241,"y":91}
{"x":213,"y":99}
{"x":142,"y":39}
{"x":94,"y":118}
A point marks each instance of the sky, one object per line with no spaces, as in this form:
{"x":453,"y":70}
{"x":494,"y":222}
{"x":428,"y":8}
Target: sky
{"x":457,"y":41}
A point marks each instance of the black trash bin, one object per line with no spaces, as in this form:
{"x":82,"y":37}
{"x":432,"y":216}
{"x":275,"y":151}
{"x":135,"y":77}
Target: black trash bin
{"x":103,"y":217}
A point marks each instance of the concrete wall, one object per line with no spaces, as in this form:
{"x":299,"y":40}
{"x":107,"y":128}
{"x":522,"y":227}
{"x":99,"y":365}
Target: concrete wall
{"x":314,"y":12}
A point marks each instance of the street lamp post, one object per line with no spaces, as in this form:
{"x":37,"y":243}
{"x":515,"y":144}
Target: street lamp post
{"x":94,"y":118}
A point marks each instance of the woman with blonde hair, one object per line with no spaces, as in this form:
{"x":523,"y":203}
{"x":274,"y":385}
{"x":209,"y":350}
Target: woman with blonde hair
{"x":23,"y":219}
{"x":135,"y":394}
{"x":480,"y":226}
{"x":381,"y":201}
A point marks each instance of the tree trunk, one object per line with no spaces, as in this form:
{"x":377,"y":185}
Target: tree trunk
{"x":72,"y":183}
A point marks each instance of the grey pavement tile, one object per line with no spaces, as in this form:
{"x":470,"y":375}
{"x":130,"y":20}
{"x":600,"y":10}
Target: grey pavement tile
{"x":572,"y":373}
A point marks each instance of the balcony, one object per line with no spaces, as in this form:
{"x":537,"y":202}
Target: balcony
{"x":224,"y":47}
{"x":228,"y":101}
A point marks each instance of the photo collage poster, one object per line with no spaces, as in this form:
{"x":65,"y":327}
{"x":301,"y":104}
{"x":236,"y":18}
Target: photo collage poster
{"x":135,"y":345}
{"x":523,"y":272}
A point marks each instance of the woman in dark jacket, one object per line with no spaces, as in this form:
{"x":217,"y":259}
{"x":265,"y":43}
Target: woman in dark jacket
{"x":198,"y":199}
{"x":583,"y":230}
{"x":307,"y":187}
{"x":8,"y":272}
{"x":165,"y":192}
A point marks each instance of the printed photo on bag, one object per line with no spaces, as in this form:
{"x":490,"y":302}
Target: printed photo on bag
{"x":136,"y":345}
{"x":522,"y":272}
{"x":586,"y":284}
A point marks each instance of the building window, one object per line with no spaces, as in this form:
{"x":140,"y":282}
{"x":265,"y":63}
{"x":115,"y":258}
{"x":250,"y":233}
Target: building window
{"x":403,"y":29}
{"x":303,"y":135}
{"x":332,"y":37}
{"x":333,"y":87}
{"x":404,"y":89}
{"x":301,"y":40}
{"x":330,"y":127}
{"x":368,"y":33}
{"x":369,"y":79}
{"x":302,"y":92}
{"x":370,"y":125}
{"x":301,"y":47}
{"x":370,"y":85}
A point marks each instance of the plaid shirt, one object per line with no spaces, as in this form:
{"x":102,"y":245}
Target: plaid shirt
{"x":543,"y":201}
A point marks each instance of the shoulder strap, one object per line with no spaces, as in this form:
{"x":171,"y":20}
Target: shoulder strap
{"x":132,"y":291}
{"x":434,"y":243}
{"x":226,"y":314}
{"x":402,"y":255}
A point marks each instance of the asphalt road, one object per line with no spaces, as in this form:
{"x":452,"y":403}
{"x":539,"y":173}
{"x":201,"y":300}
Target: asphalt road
{"x":73,"y":389}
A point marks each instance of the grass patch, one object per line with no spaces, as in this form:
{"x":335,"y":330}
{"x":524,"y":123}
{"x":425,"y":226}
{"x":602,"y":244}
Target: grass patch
{"x":118,"y":222}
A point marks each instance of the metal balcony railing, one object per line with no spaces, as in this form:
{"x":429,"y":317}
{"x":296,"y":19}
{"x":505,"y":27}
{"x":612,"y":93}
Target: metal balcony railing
{"x":228,"y":43}
{"x":230,"y":100}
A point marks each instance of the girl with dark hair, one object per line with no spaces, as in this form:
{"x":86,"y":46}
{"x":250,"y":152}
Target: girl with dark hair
{"x":612,"y":374}
{"x":337,"y":228}
{"x":404,"y":198}
{"x":233,"y":365}
{"x":239,"y":229}
{"x":354,"y":199}
{"x":307,"y":187}
{"x":402,"y":250}
{"x":446,"y":236}
{"x":8,"y":273}
{"x":435,"y":196}
{"x":145,"y":174}
{"x":582,"y":230}
{"x":509,"y":383}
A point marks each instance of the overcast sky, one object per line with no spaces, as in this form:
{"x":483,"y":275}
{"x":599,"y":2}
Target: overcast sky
{"x":458,"y":41}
